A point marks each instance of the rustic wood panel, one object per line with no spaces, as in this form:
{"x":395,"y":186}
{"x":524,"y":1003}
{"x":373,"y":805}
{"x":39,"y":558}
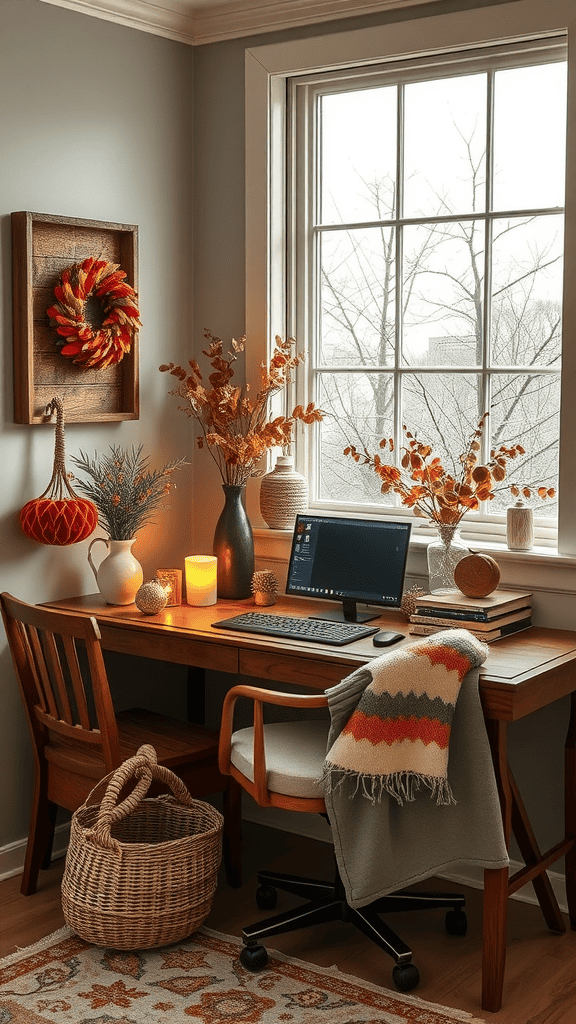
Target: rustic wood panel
{"x":42,"y":247}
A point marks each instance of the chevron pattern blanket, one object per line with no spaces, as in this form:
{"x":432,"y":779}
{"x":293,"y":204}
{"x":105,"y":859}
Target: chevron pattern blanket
{"x":397,"y":738}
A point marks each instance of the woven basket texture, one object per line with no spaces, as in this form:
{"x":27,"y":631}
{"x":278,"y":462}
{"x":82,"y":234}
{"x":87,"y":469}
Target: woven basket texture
{"x":145,"y":879}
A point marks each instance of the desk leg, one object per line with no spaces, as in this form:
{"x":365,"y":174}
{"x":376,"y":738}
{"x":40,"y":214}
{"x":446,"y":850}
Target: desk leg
{"x":196,"y":695}
{"x":570,"y":810}
{"x":495,"y":911}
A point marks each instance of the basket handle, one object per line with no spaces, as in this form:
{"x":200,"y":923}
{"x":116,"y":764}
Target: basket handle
{"x":145,"y":768}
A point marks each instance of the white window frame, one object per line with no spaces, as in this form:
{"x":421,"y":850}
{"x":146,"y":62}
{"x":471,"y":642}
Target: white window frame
{"x":268,"y":68}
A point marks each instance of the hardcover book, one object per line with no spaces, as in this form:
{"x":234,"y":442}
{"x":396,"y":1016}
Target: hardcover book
{"x":457,"y":606}
{"x":475,"y":625}
{"x":487,"y":636}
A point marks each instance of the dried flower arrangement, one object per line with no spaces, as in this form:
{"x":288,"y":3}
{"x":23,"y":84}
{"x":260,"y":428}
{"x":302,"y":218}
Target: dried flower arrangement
{"x":424,"y":484}
{"x":235,"y":429}
{"x":125,"y":491}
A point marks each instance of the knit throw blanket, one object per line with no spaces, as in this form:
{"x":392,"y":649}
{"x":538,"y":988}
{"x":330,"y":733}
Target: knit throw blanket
{"x":397,"y":738}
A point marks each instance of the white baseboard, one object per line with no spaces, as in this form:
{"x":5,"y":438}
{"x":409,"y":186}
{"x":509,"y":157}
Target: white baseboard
{"x":12,"y":855}
{"x":309,"y":825}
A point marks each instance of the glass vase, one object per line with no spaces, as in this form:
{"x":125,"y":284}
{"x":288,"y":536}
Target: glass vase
{"x":443,"y":555}
{"x":234,"y":546}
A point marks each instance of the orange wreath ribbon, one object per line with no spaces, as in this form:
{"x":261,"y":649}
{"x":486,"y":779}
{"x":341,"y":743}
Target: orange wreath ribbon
{"x":87,"y":345}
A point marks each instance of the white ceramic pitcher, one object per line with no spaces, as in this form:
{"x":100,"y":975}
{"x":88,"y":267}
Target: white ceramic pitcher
{"x":119,"y":575}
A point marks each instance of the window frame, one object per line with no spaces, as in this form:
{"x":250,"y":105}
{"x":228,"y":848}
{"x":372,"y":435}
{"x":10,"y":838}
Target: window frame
{"x":303,"y":98}
{"x":269,"y":278}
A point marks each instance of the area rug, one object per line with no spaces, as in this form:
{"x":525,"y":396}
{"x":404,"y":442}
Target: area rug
{"x":65,"y":980}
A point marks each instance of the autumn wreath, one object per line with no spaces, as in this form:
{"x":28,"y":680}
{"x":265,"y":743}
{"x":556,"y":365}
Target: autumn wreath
{"x":102,"y":346}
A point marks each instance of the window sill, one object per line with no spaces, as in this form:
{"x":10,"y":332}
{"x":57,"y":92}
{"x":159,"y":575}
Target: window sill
{"x":539,"y":569}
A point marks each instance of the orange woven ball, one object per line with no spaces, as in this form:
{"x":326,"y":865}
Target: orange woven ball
{"x":59,"y":521}
{"x":477,"y":575}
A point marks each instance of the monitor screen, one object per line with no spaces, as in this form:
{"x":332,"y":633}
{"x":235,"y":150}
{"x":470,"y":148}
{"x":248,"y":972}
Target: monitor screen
{"x":349,"y":561}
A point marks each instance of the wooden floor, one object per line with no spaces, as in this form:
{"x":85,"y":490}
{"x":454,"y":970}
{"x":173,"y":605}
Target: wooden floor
{"x":540,"y":985}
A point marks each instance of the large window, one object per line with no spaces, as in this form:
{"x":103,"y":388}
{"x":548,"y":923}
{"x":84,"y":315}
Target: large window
{"x":427,"y":213}
{"x":407,"y":223}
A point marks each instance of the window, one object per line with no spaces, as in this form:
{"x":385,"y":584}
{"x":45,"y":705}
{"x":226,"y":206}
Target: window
{"x":428,"y":261}
{"x":422,"y":295}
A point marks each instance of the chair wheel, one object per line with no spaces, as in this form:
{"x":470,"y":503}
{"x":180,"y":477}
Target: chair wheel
{"x":405,"y":977}
{"x":266,"y":897}
{"x":254,"y":958}
{"x":456,"y":922}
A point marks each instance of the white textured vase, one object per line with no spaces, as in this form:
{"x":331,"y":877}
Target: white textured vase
{"x":283,"y":493}
{"x":519,"y":527}
{"x":119,"y":575}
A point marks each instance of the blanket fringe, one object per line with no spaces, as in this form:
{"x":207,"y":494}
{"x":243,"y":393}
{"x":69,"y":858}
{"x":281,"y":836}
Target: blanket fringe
{"x":401,"y":786}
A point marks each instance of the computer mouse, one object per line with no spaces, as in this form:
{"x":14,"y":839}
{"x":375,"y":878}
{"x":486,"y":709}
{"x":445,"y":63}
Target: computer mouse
{"x":386,"y":637}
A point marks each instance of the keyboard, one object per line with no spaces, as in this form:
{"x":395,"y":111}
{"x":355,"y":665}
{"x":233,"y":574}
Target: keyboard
{"x":287,"y":627}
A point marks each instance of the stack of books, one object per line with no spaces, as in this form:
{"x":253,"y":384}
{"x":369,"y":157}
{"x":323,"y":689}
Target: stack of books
{"x":488,"y":618}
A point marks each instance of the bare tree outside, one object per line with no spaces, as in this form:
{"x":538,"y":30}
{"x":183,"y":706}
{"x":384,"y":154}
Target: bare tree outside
{"x":435,"y":303}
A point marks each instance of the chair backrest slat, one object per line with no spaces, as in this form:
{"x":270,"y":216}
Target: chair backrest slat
{"x":66,"y":695}
{"x":59,"y":689}
{"x":76,"y":681}
{"x":42,"y":675}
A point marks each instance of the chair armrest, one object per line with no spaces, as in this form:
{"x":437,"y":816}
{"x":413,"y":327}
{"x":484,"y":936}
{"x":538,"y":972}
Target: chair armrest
{"x":259,"y":698}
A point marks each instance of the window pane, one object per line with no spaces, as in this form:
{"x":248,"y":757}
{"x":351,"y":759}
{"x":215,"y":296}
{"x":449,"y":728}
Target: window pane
{"x":445,"y":142}
{"x":527,"y":271}
{"x":359,"y":411}
{"x":442,"y":410}
{"x":526,"y":410}
{"x":530,"y":137}
{"x":443,"y":268}
{"x":358,"y":169}
{"x":358,"y":299}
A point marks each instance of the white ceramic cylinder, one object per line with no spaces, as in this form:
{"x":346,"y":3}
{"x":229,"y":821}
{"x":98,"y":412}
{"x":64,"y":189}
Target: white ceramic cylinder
{"x":201,"y":579}
{"x":519,"y":527}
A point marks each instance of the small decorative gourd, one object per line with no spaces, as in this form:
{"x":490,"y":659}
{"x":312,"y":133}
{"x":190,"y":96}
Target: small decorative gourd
{"x":59,"y":516}
{"x":264,"y":586}
{"x":477,"y":575}
{"x":152,"y":597}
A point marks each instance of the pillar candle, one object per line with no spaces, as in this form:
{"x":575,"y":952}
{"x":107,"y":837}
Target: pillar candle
{"x":201,"y":579}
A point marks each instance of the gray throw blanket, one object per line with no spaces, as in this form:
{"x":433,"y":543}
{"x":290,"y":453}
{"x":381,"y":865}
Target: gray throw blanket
{"x":382,"y":844}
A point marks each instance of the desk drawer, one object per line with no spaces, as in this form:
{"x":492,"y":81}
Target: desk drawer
{"x":170,"y":646}
{"x":288,"y":668}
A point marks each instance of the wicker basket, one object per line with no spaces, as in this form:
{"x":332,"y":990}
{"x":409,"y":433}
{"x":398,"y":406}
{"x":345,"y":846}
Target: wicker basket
{"x":143,"y":872}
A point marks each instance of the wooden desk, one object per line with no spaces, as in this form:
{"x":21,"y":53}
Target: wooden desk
{"x":523,"y":672}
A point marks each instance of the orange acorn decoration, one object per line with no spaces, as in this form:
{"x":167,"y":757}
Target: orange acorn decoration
{"x":59,"y":516}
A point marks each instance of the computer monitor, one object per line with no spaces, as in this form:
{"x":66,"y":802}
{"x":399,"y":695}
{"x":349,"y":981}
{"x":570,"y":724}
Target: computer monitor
{"x":350,"y":561}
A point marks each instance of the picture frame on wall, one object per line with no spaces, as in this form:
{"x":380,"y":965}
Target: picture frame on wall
{"x":43,"y":247}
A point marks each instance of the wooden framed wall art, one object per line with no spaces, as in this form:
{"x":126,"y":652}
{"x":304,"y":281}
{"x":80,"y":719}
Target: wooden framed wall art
{"x":75,"y":313}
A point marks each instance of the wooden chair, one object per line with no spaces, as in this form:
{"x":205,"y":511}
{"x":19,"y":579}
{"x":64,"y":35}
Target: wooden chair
{"x":280,"y":765}
{"x":78,"y":739}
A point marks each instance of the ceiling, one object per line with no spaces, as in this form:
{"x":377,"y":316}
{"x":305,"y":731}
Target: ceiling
{"x":206,"y":21}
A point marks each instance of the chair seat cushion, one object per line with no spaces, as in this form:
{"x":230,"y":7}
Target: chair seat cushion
{"x":295,"y":754}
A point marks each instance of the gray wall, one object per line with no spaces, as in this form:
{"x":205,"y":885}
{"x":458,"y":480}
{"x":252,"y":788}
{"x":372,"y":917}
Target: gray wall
{"x":96,"y":122}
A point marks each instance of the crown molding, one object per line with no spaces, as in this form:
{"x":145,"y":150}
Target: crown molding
{"x":195,"y":22}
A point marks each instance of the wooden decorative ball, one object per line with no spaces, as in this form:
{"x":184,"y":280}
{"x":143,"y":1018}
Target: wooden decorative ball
{"x":477,"y":575}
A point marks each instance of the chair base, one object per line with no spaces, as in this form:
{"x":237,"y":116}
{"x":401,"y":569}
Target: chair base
{"x":327,"y":902}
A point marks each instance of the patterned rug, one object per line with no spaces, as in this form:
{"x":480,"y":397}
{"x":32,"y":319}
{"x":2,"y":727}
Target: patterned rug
{"x":65,"y":980}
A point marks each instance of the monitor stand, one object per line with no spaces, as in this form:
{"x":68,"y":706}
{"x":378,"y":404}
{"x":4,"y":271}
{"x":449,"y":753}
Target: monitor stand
{"x":348,"y":613}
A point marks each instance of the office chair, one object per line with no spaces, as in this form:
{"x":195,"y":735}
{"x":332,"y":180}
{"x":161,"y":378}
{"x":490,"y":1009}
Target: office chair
{"x":279,"y":765}
{"x":78,"y":739}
